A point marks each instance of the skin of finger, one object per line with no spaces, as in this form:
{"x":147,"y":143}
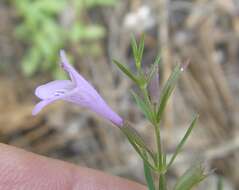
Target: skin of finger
{"x":21,"y":170}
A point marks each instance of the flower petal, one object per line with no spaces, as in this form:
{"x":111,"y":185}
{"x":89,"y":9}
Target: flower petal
{"x":53,"y":88}
{"x":89,"y":98}
{"x":45,"y":102}
{"x":106,"y":112}
{"x":74,"y":75}
{"x":38,"y":107}
{"x":64,"y":62}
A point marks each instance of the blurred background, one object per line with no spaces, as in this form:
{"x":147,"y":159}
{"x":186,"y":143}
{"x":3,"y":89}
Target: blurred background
{"x":93,"y":32}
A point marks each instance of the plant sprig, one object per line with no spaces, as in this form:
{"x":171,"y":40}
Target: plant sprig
{"x":159,"y":166}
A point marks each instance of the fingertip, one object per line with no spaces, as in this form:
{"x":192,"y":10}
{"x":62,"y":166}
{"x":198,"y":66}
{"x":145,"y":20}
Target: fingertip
{"x":23,"y":170}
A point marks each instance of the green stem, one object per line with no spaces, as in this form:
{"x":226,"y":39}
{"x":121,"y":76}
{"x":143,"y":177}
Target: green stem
{"x":162,"y":182}
{"x":157,"y":132}
{"x":146,"y":95}
{"x":160,"y":165}
{"x":161,"y":162}
{"x":159,"y":149}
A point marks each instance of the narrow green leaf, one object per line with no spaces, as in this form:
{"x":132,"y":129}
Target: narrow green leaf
{"x":194,"y":175}
{"x":140,"y":52}
{"x":134,"y":47}
{"x":139,"y":150}
{"x":139,"y":145}
{"x":157,"y":60}
{"x":149,"y":177}
{"x":126,"y":71}
{"x":130,"y":131}
{"x":144,"y":107}
{"x":182,"y":142}
{"x":153,"y":69}
{"x":167,"y":90}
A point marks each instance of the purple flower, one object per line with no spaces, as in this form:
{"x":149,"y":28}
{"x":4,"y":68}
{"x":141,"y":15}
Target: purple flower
{"x":77,"y":90}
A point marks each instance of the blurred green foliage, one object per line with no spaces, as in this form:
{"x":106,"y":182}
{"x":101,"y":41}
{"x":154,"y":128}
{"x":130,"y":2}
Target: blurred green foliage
{"x":43,"y":34}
